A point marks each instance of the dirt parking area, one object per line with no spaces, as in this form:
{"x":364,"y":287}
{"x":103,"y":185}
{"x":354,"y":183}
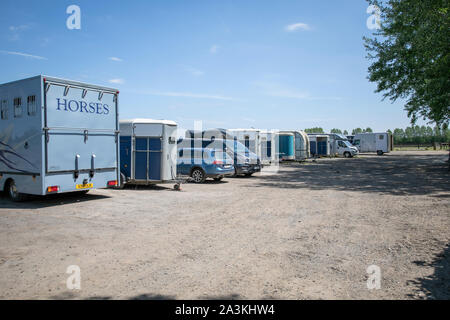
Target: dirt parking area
{"x":308,"y":232}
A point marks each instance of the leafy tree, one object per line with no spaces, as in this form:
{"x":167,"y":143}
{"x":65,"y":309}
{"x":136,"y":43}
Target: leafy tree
{"x":339,"y":131}
{"x":421,"y":135}
{"x":346,"y":132}
{"x":357,"y":130}
{"x":411,"y":56}
{"x":367,"y":130}
{"x":314,"y":130}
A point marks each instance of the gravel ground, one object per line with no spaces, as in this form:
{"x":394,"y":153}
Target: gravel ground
{"x":308,"y":232}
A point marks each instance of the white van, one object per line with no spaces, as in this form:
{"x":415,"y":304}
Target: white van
{"x":380,"y":142}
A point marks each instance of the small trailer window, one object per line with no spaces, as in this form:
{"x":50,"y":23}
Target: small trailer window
{"x":31,"y":105}
{"x":17,"y":107}
{"x":4,"y":110}
{"x":381,"y":137}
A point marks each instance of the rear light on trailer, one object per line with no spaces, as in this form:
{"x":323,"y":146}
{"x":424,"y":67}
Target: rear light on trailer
{"x":112,"y":183}
{"x":52,"y":189}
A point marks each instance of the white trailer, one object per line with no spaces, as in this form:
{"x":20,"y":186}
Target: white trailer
{"x":148,"y":150}
{"x":379,"y":142}
{"x":320,"y":145}
{"x":57,"y":136}
{"x":269,"y":145}
{"x":301,"y":144}
{"x":251,"y":138}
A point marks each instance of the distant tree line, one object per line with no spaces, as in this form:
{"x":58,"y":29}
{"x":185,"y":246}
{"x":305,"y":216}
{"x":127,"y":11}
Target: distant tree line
{"x":411,"y":135}
{"x":421,"y":135}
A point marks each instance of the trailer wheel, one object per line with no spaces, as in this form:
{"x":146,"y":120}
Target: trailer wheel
{"x":198,"y":175}
{"x":347,"y":154}
{"x":13,"y":194}
{"x":380,"y":152}
{"x":218,"y":178}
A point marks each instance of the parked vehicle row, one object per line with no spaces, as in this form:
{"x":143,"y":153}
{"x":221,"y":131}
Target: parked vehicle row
{"x":59,"y":136}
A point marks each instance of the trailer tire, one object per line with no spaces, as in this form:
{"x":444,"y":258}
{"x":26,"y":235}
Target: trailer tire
{"x":12,"y":192}
{"x":198,"y":175}
{"x":380,"y":152}
{"x":218,"y":179}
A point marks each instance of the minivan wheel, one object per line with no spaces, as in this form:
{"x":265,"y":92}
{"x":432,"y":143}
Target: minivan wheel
{"x":347,"y":154}
{"x":13,"y":194}
{"x":198,"y":175}
{"x":380,"y":152}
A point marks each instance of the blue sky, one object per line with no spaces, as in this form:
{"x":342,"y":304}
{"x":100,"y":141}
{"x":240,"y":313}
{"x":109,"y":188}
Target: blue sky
{"x":232,"y":64}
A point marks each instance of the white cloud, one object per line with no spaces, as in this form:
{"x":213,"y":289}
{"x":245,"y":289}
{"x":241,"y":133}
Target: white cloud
{"x":297,"y":26}
{"x":15,"y":31}
{"x":26,"y":55}
{"x":214,"y":49}
{"x":185,"y":95}
{"x":19,"y":28}
{"x":281,"y":91}
{"x":194,"y":71}
{"x":115,"y":59}
{"x":116,"y":81}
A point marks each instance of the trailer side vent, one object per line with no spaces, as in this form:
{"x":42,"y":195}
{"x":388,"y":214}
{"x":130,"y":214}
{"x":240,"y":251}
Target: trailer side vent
{"x":17,"y":107}
{"x":31,"y":105}
{"x":4,"y":110}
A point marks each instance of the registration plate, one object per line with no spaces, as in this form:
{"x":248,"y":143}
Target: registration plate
{"x":85,"y":186}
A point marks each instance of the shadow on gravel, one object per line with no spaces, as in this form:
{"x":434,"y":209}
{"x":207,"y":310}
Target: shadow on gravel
{"x":155,"y":187}
{"x":390,"y":174}
{"x":233,"y":296}
{"x":152,"y":297}
{"x":436,"y":286}
{"x":147,"y":296}
{"x":36,"y":202}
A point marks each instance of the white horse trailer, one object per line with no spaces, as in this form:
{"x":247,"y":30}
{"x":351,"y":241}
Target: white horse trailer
{"x":320,"y":145}
{"x":148,"y":151}
{"x":57,"y":136}
{"x":250,"y":138}
{"x":301,"y":144}
{"x":269,"y":146}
